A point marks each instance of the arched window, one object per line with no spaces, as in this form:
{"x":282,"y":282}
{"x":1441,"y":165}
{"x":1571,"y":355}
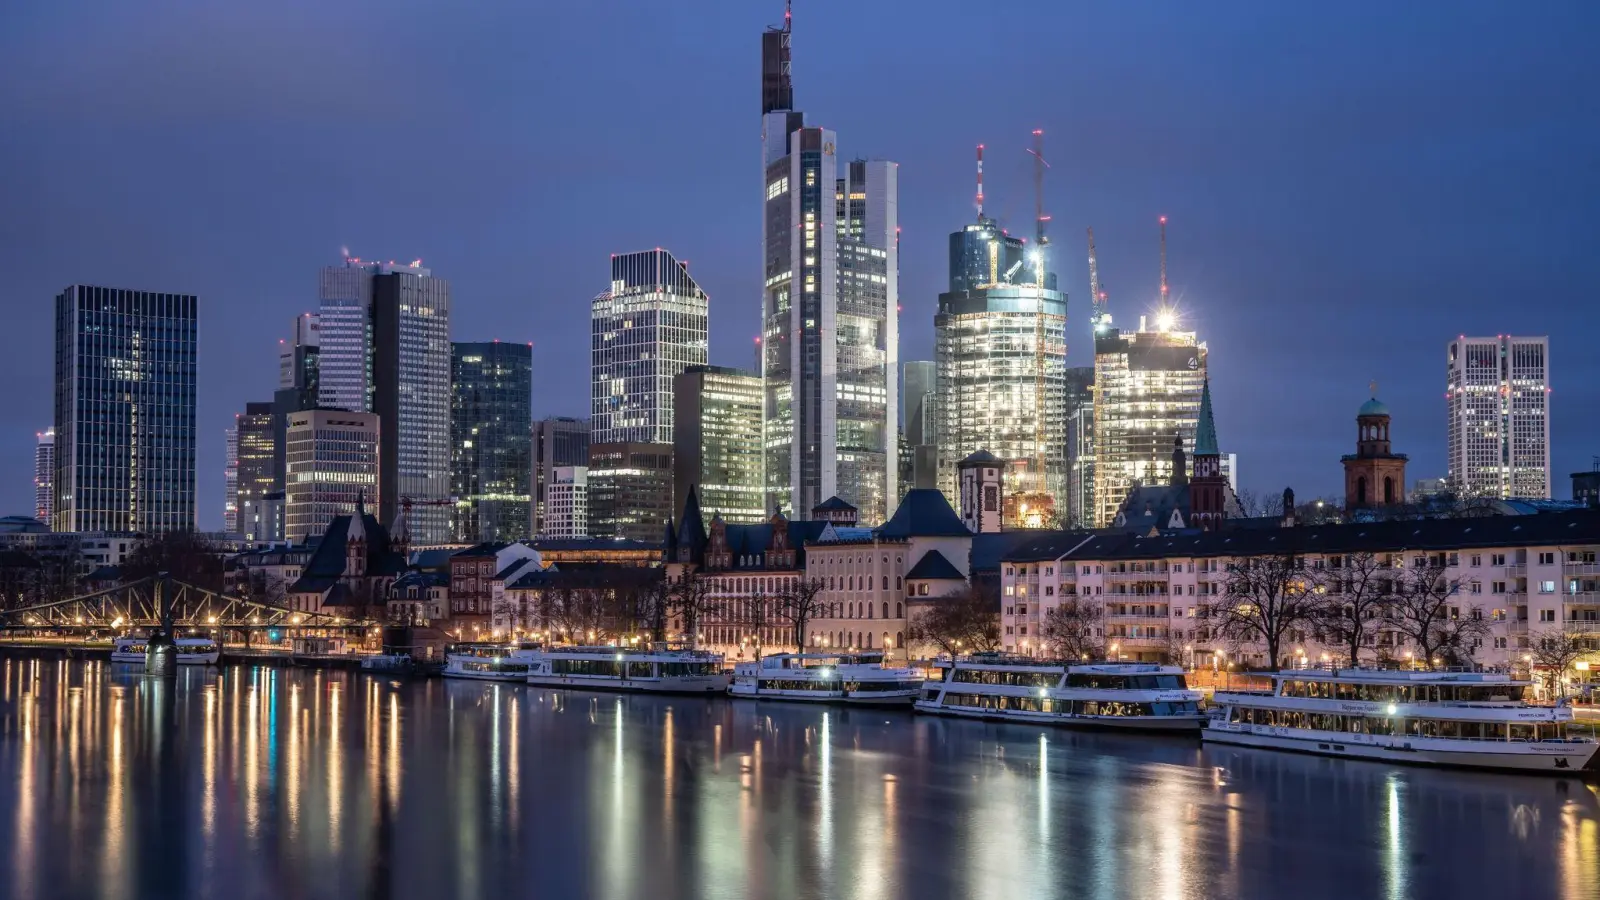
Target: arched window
{"x":899,"y":638}
{"x":1361,"y":491}
{"x":886,"y":609}
{"x":885,"y":642}
{"x":899,"y":613}
{"x":869,"y":640}
{"x":886,"y":582}
{"x":1388,"y":489}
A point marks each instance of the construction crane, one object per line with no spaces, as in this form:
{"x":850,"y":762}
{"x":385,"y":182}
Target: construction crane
{"x":1097,"y":297}
{"x":1163,"y":263}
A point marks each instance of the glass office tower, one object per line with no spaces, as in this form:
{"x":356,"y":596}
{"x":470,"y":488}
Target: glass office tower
{"x":717,"y":443}
{"x":491,"y":447}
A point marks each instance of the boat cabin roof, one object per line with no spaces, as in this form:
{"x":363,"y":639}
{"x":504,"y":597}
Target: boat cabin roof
{"x":1395,"y":676}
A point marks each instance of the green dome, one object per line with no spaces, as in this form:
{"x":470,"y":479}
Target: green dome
{"x":1373,"y":407}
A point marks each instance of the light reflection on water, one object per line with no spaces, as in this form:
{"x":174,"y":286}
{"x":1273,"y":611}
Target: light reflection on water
{"x":247,"y":783}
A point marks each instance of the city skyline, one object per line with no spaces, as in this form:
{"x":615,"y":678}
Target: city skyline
{"x":1293,"y":201}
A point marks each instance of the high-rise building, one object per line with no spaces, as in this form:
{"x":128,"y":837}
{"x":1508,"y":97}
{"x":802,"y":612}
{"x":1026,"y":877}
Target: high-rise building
{"x":385,"y":348}
{"x":230,"y":477}
{"x":44,"y":476}
{"x":124,"y":410}
{"x":491,"y":448}
{"x":332,"y":464}
{"x":830,"y":344}
{"x":630,"y":490}
{"x":1147,"y":395}
{"x":558,"y":441}
{"x":1000,"y":338}
{"x":1498,"y":393}
{"x":716,"y":443}
{"x":299,"y":357}
{"x":1080,"y":447}
{"x":919,"y":425}
{"x":567,"y":503}
{"x":255,"y":468}
{"x":647,"y":328}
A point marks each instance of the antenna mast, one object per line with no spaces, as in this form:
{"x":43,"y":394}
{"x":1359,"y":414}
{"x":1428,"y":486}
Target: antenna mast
{"x":1163,"y":263}
{"x":980,"y":183}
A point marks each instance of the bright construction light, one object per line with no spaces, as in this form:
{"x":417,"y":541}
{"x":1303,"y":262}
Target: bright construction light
{"x":1165,"y":319}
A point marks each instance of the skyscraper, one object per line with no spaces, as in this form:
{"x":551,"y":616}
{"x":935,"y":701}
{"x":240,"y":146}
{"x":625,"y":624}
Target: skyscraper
{"x":716,"y":447}
{"x":230,"y":477}
{"x":491,"y":448}
{"x":567,"y":503}
{"x":647,"y":328}
{"x":332,"y":463}
{"x":919,"y":425}
{"x":44,"y":476}
{"x":1000,"y":339}
{"x":558,"y":441}
{"x":830,"y":249}
{"x":630,"y":490}
{"x":255,"y":469}
{"x":1080,"y":447}
{"x":1147,"y":395}
{"x":124,"y":410}
{"x":299,"y":359}
{"x":1497,"y":391}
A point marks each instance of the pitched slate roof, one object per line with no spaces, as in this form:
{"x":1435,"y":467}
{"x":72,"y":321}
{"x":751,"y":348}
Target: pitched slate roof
{"x":832,"y":504}
{"x":1151,"y":506}
{"x":934,"y":567}
{"x":924,"y":513}
{"x":327,"y":564}
{"x":979,"y":458}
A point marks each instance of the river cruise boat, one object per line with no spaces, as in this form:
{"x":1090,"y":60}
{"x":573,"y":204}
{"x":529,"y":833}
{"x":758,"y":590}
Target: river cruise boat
{"x":1476,"y":719}
{"x":657,"y":671}
{"x":1141,"y":696}
{"x":489,"y":662}
{"x":854,"y":678}
{"x":191,"y":651}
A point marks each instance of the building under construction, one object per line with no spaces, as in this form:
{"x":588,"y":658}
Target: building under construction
{"x":1001,"y":353}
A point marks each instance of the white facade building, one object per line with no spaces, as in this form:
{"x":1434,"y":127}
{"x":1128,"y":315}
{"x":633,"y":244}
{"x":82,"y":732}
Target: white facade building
{"x":566,"y":512}
{"x":645,"y":330}
{"x":1498,"y":395}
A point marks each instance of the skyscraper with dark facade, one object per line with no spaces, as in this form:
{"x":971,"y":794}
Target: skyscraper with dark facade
{"x":830,"y":251}
{"x":125,"y":410}
{"x":255,"y":467}
{"x":558,"y":442}
{"x":491,"y":448}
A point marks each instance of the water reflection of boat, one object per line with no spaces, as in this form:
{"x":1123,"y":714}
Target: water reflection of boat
{"x":1135,"y":696}
{"x":657,"y":671}
{"x":1475,"y":719}
{"x":191,"y":651}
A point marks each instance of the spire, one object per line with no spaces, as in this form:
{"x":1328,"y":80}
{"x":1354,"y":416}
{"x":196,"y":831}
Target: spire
{"x":1205,"y":440}
{"x":777,"y":90}
{"x":361,"y":501}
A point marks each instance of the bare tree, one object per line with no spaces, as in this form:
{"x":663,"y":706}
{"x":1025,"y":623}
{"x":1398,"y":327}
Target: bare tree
{"x":185,"y":555}
{"x":1357,"y":591}
{"x":1267,"y":598}
{"x":1557,"y":650}
{"x":693,"y":604}
{"x":1075,"y":629}
{"x":1255,"y":505}
{"x":968,"y":621}
{"x":1425,"y":609}
{"x":797,"y":604}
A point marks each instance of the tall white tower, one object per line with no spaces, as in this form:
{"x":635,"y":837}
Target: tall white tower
{"x":1498,"y":396}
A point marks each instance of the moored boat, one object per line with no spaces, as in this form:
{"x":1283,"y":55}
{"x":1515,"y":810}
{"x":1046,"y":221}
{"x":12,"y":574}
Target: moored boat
{"x":190,"y":651}
{"x":658,"y":670}
{"x":1475,"y":719}
{"x":1141,"y":696}
{"x":853,"y":678}
{"x":489,"y":661}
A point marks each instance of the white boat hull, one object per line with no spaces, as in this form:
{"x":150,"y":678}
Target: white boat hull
{"x":484,"y":676}
{"x":693,"y":684}
{"x":1553,"y":757}
{"x":1173,"y":724}
{"x":184,"y":659}
{"x":853,"y":698}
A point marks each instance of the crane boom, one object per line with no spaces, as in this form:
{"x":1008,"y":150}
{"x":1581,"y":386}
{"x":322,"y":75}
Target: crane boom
{"x":1097,"y":300}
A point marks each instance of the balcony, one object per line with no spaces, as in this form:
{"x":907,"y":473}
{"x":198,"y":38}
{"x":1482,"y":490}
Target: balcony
{"x":1572,"y":569}
{"x":1583,"y":597}
{"x":1517,"y":626}
{"x":1515,"y":570}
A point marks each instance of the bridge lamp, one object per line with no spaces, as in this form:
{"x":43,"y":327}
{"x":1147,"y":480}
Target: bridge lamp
{"x":79,"y":620}
{"x":211,"y":620}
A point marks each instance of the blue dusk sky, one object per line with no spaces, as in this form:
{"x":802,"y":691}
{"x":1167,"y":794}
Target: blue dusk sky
{"x":1349,"y":185}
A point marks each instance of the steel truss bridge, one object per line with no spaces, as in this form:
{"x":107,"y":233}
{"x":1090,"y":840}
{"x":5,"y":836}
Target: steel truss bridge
{"x":149,"y":602}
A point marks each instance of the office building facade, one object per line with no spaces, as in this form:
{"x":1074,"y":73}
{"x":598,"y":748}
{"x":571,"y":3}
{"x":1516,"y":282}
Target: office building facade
{"x":299,"y":357}
{"x":567,"y":503}
{"x":255,"y":466}
{"x":230,"y":477}
{"x":558,"y":441}
{"x":830,"y":342}
{"x":491,"y":447}
{"x":647,"y":328}
{"x":125,"y":410}
{"x":44,"y":476}
{"x":630,"y":490}
{"x":1080,"y":447}
{"x":333,"y":463}
{"x":1148,"y":385}
{"x":1000,"y":340}
{"x":1497,"y":391}
{"x":717,"y":448}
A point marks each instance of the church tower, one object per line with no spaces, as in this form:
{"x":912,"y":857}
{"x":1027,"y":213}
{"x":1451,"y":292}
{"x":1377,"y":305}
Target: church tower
{"x":1373,"y":476}
{"x":1208,"y":488}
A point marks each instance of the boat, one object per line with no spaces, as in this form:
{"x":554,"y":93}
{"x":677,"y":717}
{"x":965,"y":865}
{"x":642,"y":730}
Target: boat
{"x":1475,"y":719}
{"x":489,"y":661}
{"x":853,"y":678}
{"x":191,"y":651}
{"x":658,"y":670}
{"x":1140,"y":696}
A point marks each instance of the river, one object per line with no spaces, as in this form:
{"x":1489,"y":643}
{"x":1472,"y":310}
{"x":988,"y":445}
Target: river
{"x":284,"y":784}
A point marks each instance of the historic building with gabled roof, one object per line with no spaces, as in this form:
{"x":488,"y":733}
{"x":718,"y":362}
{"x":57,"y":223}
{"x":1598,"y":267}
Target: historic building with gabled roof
{"x":353,"y":567}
